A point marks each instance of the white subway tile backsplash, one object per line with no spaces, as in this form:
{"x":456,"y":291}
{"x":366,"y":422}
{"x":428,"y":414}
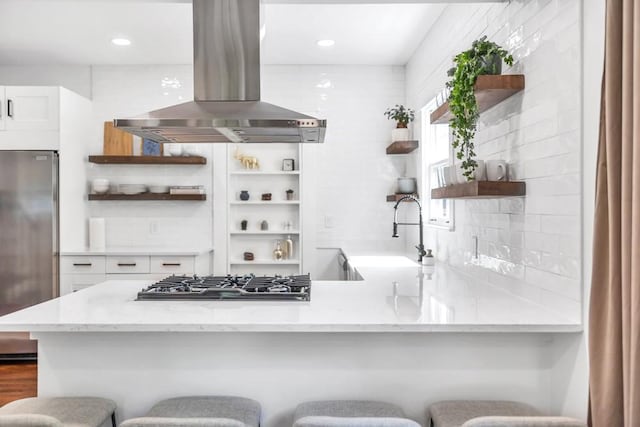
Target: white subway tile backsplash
{"x":529,"y":246}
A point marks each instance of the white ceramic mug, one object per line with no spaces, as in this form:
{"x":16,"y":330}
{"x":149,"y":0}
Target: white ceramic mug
{"x":496,"y":170}
{"x":447,"y":176}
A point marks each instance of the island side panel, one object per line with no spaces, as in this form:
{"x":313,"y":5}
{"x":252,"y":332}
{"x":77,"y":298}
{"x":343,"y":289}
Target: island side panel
{"x":280,"y":370}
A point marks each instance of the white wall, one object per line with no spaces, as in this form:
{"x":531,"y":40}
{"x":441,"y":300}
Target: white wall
{"x":529,"y":246}
{"x":124,"y":91}
{"x":350,"y":174}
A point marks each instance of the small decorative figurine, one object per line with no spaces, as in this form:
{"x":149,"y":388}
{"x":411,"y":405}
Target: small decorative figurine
{"x":244,"y":195}
{"x":248,"y":162}
{"x":264,"y":225}
{"x":278,"y":254}
{"x":243,"y":225}
{"x":288,"y":248}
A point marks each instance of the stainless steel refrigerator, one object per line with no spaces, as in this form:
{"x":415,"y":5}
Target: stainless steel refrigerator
{"x":29,"y":262}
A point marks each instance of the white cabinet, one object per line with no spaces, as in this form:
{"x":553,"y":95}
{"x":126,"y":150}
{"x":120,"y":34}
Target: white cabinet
{"x":272,"y":213}
{"x":167,"y":265}
{"x":30,"y":108}
{"x":80,"y":271}
{"x":127,"y":264}
{"x":82,"y":265}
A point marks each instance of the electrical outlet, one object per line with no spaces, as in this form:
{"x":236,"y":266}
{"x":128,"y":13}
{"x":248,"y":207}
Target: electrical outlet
{"x":153,"y":227}
{"x":329,"y":221}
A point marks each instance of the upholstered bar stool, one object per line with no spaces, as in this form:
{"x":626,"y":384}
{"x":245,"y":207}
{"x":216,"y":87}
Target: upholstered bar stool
{"x":350,"y":413}
{"x":58,"y":412}
{"x":493,"y":413}
{"x":200,"y":411}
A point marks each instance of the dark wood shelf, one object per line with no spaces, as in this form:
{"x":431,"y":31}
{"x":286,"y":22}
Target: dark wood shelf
{"x":480,"y":190}
{"x":490,"y":91}
{"x":402,"y":147}
{"x":147,"y":196}
{"x":149,"y":160}
{"x":397,"y":196}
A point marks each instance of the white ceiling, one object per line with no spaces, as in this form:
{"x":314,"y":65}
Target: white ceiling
{"x":79,"y":32}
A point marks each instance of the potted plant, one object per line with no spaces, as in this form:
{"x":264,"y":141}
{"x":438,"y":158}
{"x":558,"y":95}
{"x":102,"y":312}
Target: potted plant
{"x":403,"y":116}
{"x":484,"y":57}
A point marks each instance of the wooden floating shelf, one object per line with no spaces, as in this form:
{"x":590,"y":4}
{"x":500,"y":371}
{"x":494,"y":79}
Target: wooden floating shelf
{"x":267,"y":202}
{"x":148,"y":160}
{"x":490,"y":91}
{"x":480,"y":190}
{"x":402,"y":147}
{"x":148,"y":196}
{"x":263,"y":233}
{"x":397,"y":196}
{"x":266,"y":173}
{"x":266,"y":262}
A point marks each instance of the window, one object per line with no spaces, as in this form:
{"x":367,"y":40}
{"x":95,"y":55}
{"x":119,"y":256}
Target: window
{"x":436,"y":155}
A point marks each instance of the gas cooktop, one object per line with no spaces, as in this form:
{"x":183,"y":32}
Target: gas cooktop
{"x":230,"y":287}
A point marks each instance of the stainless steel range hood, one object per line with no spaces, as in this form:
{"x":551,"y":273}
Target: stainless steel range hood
{"x":227,"y":106}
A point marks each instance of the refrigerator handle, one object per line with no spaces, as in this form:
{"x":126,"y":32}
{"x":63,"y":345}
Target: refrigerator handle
{"x":56,"y":223}
{"x":9,"y":108}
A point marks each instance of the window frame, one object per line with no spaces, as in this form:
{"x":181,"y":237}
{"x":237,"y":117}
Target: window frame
{"x":446,"y":222}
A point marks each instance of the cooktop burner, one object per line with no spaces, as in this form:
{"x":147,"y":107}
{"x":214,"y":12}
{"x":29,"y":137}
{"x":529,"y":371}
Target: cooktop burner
{"x":234,"y":287}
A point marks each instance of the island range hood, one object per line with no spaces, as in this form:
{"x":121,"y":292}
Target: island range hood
{"x":226,"y":69}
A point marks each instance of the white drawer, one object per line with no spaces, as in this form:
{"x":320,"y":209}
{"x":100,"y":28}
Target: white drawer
{"x":127,"y":264}
{"x":82,"y":265}
{"x":74,"y":282}
{"x":173,"y":264}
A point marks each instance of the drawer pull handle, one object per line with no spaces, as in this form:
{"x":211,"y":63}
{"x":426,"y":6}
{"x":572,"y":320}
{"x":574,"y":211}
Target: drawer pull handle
{"x":171,"y":264}
{"x":82,"y":264}
{"x":126,"y":264}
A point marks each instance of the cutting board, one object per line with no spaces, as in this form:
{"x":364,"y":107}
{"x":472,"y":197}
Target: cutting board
{"x":116,"y":141}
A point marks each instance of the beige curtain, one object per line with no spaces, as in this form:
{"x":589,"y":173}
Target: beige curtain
{"x":614,"y":323}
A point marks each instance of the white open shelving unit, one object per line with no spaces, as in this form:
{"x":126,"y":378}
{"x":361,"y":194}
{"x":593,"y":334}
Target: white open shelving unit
{"x":269,"y":178}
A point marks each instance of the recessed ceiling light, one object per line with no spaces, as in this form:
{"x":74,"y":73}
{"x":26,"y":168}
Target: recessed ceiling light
{"x":120,"y":41}
{"x":326,"y":43}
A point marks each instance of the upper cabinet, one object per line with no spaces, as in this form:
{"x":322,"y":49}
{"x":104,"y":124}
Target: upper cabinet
{"x":29,"y":108}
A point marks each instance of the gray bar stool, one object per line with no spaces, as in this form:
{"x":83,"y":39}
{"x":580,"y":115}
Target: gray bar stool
{"x":493,"y":413}
{"x":58,"y":412}
{"x":350,"y":413}
{"x":200,"y":411}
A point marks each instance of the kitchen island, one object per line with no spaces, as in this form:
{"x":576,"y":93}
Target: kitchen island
{"x":406,"y":334}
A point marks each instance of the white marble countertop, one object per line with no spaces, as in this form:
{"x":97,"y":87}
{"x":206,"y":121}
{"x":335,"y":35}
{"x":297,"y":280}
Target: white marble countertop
{"x":396,"y":295}
{"x":137,"y":252}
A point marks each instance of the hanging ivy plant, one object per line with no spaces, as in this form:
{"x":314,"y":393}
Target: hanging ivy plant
{"x":484,"y":57}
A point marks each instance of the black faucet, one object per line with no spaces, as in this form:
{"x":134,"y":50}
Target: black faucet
{"x":420,"y":247}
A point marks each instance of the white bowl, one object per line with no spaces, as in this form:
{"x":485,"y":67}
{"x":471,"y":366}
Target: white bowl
{"x":159,"y":189}
{"x":130,"y":189}
{"x":100,"y":185}
{"x":100,"y":189}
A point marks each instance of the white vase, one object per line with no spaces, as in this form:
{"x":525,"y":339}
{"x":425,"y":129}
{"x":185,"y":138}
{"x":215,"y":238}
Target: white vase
{"x":400,"y":134}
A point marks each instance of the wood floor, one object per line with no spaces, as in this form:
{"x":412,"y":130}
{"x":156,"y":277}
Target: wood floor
{"x":18,"y":380}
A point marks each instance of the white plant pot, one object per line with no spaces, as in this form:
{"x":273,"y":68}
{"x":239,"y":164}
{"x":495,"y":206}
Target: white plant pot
{"x":406,"y":185}
{"x":400,"y":134}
